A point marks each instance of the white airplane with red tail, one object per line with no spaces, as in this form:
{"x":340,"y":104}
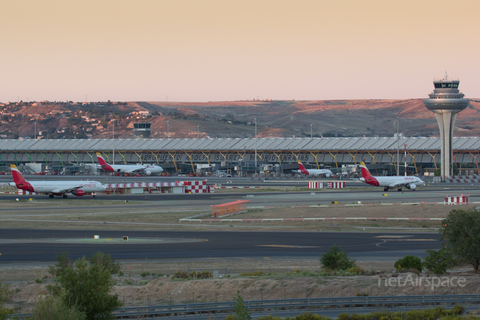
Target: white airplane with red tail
{"x":128,"y":168}
{"x":55,"y":188}
{"x":313,"y":172}
{"x":392,"y":182}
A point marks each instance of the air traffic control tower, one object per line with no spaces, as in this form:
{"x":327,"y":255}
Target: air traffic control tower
{"x":446,"y":101}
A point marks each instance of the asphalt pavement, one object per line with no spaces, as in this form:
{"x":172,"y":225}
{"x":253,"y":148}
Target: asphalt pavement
{"x":207,"y":245}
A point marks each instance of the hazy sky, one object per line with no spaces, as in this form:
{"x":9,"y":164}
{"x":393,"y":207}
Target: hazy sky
{"x":206,"y":50}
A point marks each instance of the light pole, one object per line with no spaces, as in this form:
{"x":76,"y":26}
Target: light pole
{"x":35,"y":134}
{"x":113,"y":140}
{"x":198,"y":131}
{"x":255,"y":145}
{"x":168,"y":129}
{"x":311,"y":130}
{"x":398,"y":147}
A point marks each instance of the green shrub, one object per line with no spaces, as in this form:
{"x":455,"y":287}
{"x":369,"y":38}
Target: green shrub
{"x":458,"y":309}
{"x":336,"y":260}
{"x":144,"y":274}
{"x":409,"y":263}
{"x":310,"y":316}
{"x":120,"y":273}
{"x":438,"y":262}
{"x":54,"y":308}
{"x":37,"y":280}
{"x":255,"y":274}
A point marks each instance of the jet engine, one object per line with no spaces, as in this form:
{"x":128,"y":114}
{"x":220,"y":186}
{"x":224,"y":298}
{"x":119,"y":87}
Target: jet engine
{"x":327,"y":175}
{"x":78,"y":193}
{"x":412,"y":186}
{"x":148,"y":172}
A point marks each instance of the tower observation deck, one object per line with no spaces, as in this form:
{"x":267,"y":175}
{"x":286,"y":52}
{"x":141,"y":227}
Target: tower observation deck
{"x":446,"y":101}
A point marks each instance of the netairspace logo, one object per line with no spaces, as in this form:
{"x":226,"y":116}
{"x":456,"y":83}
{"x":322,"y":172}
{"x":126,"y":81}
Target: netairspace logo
{"x":433,"y":282}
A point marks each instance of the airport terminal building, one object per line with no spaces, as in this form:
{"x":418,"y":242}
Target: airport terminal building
{"x":184,"y":155}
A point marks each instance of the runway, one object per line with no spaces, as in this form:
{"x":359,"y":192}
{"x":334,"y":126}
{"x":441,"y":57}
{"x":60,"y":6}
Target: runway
{"x":205,"y":200}
{"x":209,"y":245}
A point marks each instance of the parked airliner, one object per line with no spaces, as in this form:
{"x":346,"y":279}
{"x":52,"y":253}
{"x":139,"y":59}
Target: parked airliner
{"x":408,"y":182}
{"x":313,"y":172}
{"x":128,"y":168}
{"x":55,"y":188}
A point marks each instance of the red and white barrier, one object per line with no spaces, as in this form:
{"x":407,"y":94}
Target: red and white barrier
{"x":336,"y":185}
{"x":211,"y":189}
{"x":328,"y":185}
{"x":456,"y":200}
{"x":315,"y":185}
{"x":23,"y":192}
{"x":145,"y":184}
{"x":196,"y":186}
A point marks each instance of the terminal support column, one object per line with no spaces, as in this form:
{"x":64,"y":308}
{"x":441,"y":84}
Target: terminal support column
{"x":475,"y":157}
{"x":173,"y":158}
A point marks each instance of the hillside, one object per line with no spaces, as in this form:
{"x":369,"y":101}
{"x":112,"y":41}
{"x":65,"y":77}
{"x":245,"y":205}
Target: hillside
{"x":230,"y":119}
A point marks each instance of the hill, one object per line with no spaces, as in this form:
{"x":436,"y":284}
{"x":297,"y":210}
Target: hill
{"x":230,"y":119}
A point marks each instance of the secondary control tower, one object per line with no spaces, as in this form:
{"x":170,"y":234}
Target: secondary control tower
{"x":446,"y":101}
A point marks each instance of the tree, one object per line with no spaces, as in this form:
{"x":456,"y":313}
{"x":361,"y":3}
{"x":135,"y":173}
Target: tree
{"x":240,"y":309}
{"x":64,"y":263}
{"x":88,"y":288}
{"x":462,"y":230}
{"x":105,"y":262}
{"x":439,"y":261}
{"x":336,"y":260}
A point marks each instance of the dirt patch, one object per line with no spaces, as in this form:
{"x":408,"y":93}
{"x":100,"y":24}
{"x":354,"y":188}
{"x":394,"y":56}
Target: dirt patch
{"x":135,"y":290}
{"x":149,"y":219}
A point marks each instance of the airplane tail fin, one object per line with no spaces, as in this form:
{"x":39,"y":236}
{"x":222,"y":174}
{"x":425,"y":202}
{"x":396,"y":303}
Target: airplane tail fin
{"x":104,"y":164}
{"x":101,"y":161}
{"x":301,"y":168}
{"x":17,"y":176}
{"x":365,"y":173}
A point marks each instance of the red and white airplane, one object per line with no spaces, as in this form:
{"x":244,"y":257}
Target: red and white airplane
{"x":128,"y":168}
{"x":55,"y":188}
{"x":313,"y":172}
{"x":399,"y":182}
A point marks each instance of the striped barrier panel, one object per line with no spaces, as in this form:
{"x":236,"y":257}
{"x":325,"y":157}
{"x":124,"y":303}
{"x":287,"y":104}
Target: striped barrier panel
{"x":23,"y":192}
{"x":315,"y":185}
{"x":456,"y":200}
{"x":328,"y":185}
{"x":145,"y":184}
{"x":237,"y":187}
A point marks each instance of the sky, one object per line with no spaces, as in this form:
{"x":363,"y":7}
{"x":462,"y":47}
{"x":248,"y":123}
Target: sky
{"x":216,"y":50}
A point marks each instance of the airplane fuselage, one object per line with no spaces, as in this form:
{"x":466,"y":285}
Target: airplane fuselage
{"x":381,"y":181}
{"x":56,"y":186}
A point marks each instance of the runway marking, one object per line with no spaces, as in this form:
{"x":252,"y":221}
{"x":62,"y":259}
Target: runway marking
{"x":392,"y":236}
{"x":266,"y":258}
{"x":411,"y":240}
{"x":242,"y":258}
{"x":285,"y":246}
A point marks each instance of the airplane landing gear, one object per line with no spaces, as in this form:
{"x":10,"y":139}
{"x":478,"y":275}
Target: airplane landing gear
{"x":65,"y":196}
{"x":385,"y":189}
{"x":399,"y":189}
{"x":50,"y":196}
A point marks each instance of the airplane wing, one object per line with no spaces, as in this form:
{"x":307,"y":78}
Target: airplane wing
{"x":68,"y":190}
